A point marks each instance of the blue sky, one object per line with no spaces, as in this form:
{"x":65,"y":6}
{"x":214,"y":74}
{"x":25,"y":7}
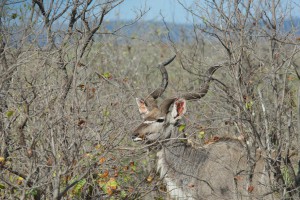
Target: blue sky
{"x":171,"y":10}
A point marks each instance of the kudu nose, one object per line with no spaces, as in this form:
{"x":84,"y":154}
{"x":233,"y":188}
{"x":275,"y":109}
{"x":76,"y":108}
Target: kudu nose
{"x":136,"y":138}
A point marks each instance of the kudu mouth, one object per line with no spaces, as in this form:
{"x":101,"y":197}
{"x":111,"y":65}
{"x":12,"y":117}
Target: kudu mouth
{"x":136,"y":139}
{"x":148,"y":131}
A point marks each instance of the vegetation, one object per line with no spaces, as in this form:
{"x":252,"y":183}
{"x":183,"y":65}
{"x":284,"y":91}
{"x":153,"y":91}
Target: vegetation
{"x":68,"y":86}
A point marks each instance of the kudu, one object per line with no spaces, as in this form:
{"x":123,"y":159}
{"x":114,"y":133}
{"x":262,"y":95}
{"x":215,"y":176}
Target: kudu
{"x":220,"y":170}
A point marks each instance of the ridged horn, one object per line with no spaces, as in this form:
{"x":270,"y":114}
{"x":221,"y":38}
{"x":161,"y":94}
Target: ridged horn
{"x":165,"y":105}
{"x":151,"y":98}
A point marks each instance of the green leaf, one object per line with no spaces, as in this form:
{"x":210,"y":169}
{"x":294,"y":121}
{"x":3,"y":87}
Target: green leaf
{"x":9,"y":113}
{"x":109,"y":186}
{"x":123,"y":194}
{"x":2,"y":187}
{"x":14,"y":15}
{"x":107,"y":75}
{"x":112,"y":183}
{"x":181,"y":127}
{"x":106,"y":113}
{"x":79,"y":186}
{"x":204,"y":20}
{"x":32,"y":192}
{"x":126,"y":178}
{"x":133,"y":168}
{"x":249,"y":105}
{"x":201,"y":134}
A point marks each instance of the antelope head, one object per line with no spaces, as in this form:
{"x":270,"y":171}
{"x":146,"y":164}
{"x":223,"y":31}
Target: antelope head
{"x":159,"y":121}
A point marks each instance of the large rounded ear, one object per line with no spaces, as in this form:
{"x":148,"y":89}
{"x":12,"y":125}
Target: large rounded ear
{"x":143,"y":109}
{"x":179,"y":109}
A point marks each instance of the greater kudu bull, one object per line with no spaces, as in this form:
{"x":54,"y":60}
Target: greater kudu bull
{"x":220,"y":170}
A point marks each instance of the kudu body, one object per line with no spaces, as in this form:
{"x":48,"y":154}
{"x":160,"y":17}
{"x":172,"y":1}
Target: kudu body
{"x":220,"y":170}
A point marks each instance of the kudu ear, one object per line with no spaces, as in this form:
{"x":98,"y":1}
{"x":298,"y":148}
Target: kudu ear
{"x":179,"y":109}
{"x":143,"y":109}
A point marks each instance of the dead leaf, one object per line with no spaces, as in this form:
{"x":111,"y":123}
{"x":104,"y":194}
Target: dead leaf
{"x":105,"y":174}
{"x":102,"y":160}
{"x":109,"y":191}
{"x":116,"y":173}
{"x":238,"y":178}
{"x":131,"y":164}
{"x":81,"y":86}
{"x":250,"y":188}
{"x":49,"y":161}
{"x":81,"y":123}
{"x":131,"y":190}
{"x":191,"y":185}
{"x":29,"y":152}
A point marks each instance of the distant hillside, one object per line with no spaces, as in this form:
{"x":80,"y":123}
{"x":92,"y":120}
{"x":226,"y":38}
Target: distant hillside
{"x":152,"y":30}
{"x":146,"y":30}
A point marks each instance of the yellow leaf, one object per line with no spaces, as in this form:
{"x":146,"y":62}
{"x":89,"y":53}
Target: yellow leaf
{"x":19,"y":180}
{"x":149,"y":178}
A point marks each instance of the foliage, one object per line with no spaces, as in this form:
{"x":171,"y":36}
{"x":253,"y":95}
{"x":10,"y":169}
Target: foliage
{"x":67,"y":89}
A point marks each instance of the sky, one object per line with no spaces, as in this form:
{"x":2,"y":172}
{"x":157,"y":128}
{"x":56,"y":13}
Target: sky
{"x":171,"y":10}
